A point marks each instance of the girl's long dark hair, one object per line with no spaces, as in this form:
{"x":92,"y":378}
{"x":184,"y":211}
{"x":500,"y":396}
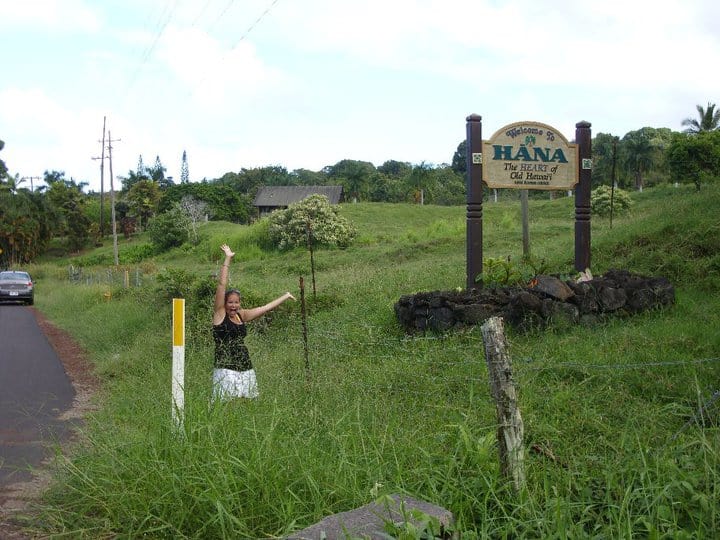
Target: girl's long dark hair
{"x":232,"y":291}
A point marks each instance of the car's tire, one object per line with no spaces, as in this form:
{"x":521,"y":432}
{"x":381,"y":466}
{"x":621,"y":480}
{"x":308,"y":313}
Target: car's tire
{"x":31,"y":302}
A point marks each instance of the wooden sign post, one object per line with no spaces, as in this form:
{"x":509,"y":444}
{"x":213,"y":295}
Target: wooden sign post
{"x":474,"y":191}
{"x":582,"y":197}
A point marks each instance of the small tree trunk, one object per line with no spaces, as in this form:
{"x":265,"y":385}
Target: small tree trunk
{"x":312,"y":256}
{"x":303,"y":313}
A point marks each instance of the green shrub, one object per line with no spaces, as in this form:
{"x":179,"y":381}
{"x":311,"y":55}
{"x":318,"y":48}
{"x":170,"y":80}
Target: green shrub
{"x":198,"y":291}
{"x":135,"y":253}
{"x":169,"y":230}
{"x":258,"y":234}
{"x":176,"y":283}
{"x":289,"y":228}
{"x":600,"y":200}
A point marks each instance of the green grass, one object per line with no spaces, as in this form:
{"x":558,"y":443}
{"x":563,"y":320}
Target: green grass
{"x":610,"y":453}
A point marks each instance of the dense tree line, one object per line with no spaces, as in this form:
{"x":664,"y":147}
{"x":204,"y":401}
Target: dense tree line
{"x":651,"y":156}
{"x":29,"y":219}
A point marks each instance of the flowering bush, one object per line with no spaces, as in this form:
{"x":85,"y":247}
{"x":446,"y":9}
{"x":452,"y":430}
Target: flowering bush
{"x":314,"y":216}
{"x":600,"y":201}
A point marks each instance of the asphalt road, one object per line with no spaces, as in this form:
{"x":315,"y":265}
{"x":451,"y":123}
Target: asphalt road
{"x":34,"y":392}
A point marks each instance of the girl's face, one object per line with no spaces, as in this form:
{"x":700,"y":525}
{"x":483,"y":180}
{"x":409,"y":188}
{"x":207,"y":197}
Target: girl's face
{"x":232,"y":304}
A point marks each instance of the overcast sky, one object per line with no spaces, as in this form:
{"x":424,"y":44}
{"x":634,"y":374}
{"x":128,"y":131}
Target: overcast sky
{"x":307,"y":83}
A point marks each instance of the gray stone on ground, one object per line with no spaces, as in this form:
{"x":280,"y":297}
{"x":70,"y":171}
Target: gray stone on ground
{"x":553,"y":287}
{"x":368,"y":522}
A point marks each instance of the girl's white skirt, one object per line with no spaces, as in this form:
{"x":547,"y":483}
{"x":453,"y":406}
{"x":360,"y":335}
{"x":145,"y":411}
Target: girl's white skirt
{"x":229,"y":384}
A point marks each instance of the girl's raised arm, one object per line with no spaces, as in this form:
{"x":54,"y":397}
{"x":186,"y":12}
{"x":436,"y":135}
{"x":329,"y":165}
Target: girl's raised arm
{"x":222,"y":282}
{"x":253,"y":313}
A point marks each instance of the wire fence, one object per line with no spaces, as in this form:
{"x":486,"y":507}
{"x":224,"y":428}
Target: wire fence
{"x":445,"y":373}
{"x":437,"y":365}
{"x":443,"y":365}
{"x":134,"y":277}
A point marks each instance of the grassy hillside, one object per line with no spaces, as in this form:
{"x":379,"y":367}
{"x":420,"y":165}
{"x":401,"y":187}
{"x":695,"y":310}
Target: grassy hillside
{"x":619,"y":443}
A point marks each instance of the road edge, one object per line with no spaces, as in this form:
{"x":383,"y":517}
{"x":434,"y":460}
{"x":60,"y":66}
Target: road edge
{"x":17,"y":500}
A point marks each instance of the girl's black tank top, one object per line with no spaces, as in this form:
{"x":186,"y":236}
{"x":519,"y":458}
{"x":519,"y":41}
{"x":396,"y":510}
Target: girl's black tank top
{"x":230,"y":349}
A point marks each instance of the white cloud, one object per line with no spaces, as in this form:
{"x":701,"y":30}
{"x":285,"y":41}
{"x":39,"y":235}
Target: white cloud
{"x":42,"y":135}
{"x":62,"y":16}
{"x":566,"y":42}
{"x":215,"y":75}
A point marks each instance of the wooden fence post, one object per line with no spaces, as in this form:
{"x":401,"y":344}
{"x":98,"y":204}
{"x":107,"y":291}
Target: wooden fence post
{"x":510,"y":425}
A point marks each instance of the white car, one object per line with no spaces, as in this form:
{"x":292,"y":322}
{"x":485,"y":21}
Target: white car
{"x":16,"y":286}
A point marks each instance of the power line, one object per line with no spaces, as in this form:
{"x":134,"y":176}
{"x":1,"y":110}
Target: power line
{"x":148,"y":52}
{"x":222,"y":13}
{"x":245,"y":34}
{"x":200,"y":14}
{"x":253,"y":25}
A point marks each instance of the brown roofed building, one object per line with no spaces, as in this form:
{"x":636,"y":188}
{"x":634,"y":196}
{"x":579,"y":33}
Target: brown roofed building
{"x":270,"y":198}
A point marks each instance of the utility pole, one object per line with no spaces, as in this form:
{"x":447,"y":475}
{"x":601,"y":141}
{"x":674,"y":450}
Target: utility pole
{"x":612,"y":178}
{"x":31,"y":178}
{"x":112,"y":199}
{"x":102,"y":183}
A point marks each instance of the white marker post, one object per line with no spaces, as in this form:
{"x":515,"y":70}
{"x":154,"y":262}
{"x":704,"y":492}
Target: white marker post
{"x":178,"y":365}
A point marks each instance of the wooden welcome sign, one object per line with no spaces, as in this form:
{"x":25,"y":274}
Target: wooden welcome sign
{"x":529,"y":155}
{"x":526,"y":155}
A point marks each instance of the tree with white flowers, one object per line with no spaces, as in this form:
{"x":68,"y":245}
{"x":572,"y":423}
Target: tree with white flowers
{"x":313,"y":220}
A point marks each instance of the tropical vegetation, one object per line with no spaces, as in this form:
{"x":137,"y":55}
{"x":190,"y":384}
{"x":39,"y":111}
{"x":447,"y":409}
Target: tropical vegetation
{"x":61,"y":209}
{"x":708,"y":120}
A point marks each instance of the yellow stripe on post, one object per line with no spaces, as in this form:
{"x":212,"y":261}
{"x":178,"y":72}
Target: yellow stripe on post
{"x":178,"y":362}
{"x":178,"y":322}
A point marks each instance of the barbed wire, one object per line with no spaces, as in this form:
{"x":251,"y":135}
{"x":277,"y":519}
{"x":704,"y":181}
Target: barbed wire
{"x":635,"y":365}
{"x":466,"y":350}
{"x":467,"y":347}
{"x":423,"y":372}
{"x":699,"y":415}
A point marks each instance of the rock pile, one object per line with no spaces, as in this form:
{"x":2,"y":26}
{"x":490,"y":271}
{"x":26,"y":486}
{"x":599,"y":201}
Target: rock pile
{"x":545,"y":301}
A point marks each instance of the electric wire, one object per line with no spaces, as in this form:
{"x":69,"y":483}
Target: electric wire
{"x":245,"y":34}
{"x":160,"y":29}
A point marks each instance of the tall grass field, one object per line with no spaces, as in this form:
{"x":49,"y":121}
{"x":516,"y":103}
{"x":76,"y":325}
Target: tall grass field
{"x":621,"y":424}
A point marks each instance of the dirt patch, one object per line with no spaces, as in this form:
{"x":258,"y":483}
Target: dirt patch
{"x":16,"y":501}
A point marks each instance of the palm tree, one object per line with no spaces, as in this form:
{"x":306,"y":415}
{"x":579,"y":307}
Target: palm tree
{"x":638,"y":149}
{"x":709,"y":120}
{"x":12,"y":183}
